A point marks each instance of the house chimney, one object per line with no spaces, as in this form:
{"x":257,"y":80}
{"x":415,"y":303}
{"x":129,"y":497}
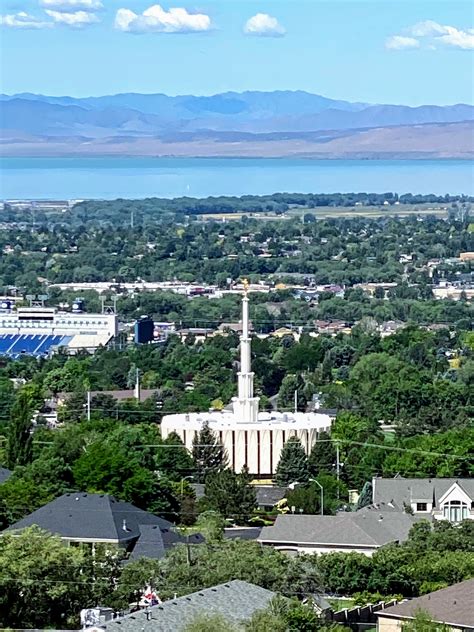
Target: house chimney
{"x":124,"y":525}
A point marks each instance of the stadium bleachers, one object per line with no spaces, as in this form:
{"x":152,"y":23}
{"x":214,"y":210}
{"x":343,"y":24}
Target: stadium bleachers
{"x":14,"y":345}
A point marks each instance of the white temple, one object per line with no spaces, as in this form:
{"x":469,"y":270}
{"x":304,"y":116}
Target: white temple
{"x":251,"y":438}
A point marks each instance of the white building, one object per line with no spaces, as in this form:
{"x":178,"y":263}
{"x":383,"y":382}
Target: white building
{"x":39,"y":330}
{"x":432,"y":498}
{"x":251,"y":438}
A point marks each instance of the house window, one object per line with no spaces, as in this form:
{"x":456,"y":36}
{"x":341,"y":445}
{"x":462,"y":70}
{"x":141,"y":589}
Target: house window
{"x":421,"y":507}
{"x":455,"y":511}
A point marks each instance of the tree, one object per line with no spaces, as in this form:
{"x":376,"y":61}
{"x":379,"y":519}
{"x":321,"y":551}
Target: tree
{"x":7,"y":398}
{"x":286,"y":395}
{"x":174,"y":462}
{"x":424,"y":623}
{"x":293,"y":464}
{"x":45,"y":568}
{"x":323,"y":456}
{"x":211,"y":525}
{"x":20,"y":439}
{"x":73,"y":409}
{"x":231,"y":494}
{"x":211,"y":623}
{"x":209,"y":455}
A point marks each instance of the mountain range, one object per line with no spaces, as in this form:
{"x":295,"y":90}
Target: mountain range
{"x":255,"y":123}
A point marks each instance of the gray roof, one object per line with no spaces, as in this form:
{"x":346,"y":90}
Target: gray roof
{"x":244,"y":533}
{"x":4,"y":474}
{"x":267,"y":495}
{"x":453,"y":605}
{"x":100,"y":517}
{"x":402,"y":491}
{"x":236,"y":601}
{"x":369,"y":527}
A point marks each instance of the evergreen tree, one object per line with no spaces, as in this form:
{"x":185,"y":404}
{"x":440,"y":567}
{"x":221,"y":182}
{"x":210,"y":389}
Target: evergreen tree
{"x":286,"y":394}
{"x":323,"y":456}
{"x":231,"y":494}
{"x":209,"y":455}
{"x":20,"y":439}
{"x":293,"y":464}
{"x":73,"y":409}
{"x":174,"y":462}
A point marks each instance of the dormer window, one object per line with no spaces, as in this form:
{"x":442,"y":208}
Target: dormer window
{"x":421,"y":507}
{"x":455,"y":511}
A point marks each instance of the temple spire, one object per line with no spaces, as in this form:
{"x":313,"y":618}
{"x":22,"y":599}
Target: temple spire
{"x":245,"y":404}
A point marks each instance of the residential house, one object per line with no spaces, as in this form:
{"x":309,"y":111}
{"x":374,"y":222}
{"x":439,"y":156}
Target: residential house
{"x":236,"y":601}
{"x":331,"y":327}
{"x":362,"y":531}
{"x":433,"y":498}
{"x":452,"y":606}
{"x":100,"y":518}
{"x":118,"y":395}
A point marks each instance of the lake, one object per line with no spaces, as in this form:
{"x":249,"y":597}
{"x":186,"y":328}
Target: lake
{"x":108,"y":178}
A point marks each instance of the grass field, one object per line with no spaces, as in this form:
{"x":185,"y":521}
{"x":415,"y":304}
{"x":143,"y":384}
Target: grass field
{"x":326,"y":212}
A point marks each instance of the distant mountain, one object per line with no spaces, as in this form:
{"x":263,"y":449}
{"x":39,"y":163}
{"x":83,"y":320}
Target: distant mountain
{"x":160,"y":116}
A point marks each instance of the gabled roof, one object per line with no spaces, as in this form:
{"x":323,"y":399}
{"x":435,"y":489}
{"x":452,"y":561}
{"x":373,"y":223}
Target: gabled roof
{"x":366,"y":528}
{"x":235,"y":600}
{"x":102,"y":518}
{"x":407,"y":490}
{"x":453,"y":605}
{"x":4,"y":474}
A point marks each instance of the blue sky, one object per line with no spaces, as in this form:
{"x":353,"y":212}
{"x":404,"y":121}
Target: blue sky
{"x":380,"y":51}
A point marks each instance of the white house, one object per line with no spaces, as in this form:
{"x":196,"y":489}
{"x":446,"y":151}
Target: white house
{"x":434,"y":498}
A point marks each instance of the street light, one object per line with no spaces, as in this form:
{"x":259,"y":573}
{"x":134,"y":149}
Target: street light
{"x":185,"y":478}
{"x":293,"y":485}
{"x":313,"y":480}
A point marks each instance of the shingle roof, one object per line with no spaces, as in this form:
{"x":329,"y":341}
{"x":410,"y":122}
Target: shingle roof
{"x":269,"y":495}
{"x":100,"y":517}
{"x":453,"y":605}
{"x":368,"y":527}
{"x":266,"y":494}
{"x":402,"y":491}
{"x":236,"y":601}
{"x":245,"y":533}
{"x":4,"y":474}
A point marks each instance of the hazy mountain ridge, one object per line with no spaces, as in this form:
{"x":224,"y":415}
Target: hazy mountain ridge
{"x":249,"y":118}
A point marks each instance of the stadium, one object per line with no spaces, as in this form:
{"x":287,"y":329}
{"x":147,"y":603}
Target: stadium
{"x":40,"y":331}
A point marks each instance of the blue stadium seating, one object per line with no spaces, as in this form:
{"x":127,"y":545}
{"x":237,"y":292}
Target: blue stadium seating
{"x":14,"y":345}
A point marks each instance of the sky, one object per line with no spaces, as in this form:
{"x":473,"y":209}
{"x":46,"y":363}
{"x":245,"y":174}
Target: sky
{"x":382,"y":51}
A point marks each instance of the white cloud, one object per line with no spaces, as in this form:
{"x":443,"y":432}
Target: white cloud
{"x":264,"y":25}
{"x":426,"y":28}
{"x":77,"y":19}
{"x":23,"y":20}
{"x":432,"y":35}
{"x":72,"y":6}
{"x":158,"y":20}
{"x":399,"y":42}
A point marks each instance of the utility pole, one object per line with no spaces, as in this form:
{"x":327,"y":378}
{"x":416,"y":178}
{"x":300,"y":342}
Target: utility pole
{"x":296,"y":401}
{"x":88,"y":406}
{"x":338,"y":467}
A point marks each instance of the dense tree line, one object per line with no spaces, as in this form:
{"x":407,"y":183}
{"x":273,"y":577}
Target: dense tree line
{"x":431,"y":558}
{"x":341,"y":250}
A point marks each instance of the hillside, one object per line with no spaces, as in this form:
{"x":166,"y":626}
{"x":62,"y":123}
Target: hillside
{"x":248,"y":124}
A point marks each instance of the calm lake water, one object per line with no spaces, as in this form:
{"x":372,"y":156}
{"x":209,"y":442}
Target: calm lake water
{"x":70,"y":178}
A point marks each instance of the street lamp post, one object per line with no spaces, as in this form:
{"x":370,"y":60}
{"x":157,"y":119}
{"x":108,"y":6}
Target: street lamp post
{"x":322,"y":493}
{"x":185,"y":478}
